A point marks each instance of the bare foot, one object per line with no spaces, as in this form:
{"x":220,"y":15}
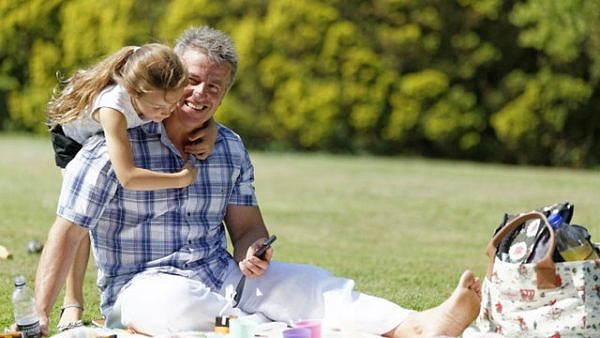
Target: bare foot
{"x":450,"y":318}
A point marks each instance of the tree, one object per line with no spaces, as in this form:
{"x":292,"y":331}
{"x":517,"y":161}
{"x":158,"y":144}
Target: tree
{"x":491,"y":80}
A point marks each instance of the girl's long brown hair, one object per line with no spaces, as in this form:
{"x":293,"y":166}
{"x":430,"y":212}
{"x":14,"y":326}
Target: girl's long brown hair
{"x":142,"y":69}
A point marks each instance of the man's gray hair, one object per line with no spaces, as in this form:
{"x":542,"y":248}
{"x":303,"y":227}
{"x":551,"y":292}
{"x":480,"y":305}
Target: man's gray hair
{"x":217,"y":45}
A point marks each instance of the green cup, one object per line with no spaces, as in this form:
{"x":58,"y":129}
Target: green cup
{"x":240,"y":328}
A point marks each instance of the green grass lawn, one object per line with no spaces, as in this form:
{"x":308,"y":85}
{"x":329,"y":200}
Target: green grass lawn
{"x":402,"y":228}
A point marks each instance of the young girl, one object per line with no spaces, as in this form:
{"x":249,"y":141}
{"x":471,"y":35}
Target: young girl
{"x":133,"y":86}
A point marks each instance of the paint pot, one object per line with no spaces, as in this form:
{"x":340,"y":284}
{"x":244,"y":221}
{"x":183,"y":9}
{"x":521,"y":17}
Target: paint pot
{"x":296,"y":332}
{"x":313,"y":325}
{"x":240,"y":328}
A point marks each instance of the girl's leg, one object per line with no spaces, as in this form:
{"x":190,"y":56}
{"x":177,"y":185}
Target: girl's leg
{"x":72,"y":309}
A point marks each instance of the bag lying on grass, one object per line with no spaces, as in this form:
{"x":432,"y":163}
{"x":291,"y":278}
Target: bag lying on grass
{"x":532,"y":295}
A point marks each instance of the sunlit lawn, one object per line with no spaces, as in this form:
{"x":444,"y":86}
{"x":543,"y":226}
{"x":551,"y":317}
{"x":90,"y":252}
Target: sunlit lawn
{"x":402,"y":228}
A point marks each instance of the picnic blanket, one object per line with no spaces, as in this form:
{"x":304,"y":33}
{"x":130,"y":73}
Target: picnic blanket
{"x":265,"y":330}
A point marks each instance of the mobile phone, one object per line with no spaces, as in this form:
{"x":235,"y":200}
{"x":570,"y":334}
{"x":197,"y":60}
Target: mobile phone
{"x":263,"y":248}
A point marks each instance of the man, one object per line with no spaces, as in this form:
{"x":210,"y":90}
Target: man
{"x":161,"y":255}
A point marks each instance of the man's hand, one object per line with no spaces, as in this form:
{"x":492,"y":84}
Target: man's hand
{"x":252,"y":266}
{"x":14,"y":329}
{"x":44,"y":324}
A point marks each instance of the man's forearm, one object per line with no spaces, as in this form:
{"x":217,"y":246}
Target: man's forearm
{"x":245,"y":226}
{"x":240,"y":247}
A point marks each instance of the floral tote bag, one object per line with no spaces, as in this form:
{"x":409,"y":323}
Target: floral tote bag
{"x":540,"y":299}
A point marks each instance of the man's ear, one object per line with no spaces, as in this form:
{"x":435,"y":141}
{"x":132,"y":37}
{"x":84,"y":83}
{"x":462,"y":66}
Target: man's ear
{"x":132,"y":93}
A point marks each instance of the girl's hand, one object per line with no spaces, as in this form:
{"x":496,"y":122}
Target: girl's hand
{"x":188,"y":174}
{"x":203,"y":141}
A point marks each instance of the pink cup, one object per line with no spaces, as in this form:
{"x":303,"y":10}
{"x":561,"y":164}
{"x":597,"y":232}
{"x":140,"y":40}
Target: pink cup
{"x":296,"y":332}
{"x":314,"y":325}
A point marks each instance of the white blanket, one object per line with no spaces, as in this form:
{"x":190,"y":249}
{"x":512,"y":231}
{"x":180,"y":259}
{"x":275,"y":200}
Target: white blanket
{"x":265,"y":330}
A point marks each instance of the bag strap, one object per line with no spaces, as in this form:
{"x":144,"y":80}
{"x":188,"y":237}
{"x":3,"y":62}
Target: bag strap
{"x":545,"y":269}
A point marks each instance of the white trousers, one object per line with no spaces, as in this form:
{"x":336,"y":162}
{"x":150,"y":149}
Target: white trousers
{"x":157,"y":303}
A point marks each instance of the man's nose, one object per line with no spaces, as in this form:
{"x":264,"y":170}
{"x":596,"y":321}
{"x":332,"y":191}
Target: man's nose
{"x":199,"y":90}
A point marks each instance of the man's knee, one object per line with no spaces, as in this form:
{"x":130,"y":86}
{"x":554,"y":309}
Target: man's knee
{"x":163,"y":303}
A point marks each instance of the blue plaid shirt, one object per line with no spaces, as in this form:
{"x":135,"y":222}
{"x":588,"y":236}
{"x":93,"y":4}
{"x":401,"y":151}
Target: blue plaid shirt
{"x":177,"y":231}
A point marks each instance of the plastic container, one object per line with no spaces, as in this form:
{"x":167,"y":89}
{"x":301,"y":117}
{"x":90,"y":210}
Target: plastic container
{"x":23,"y":304}
{"x":571,"y":242}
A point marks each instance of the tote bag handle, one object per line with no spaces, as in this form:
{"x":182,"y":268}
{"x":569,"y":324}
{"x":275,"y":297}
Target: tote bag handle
{"x":545,"y":269}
